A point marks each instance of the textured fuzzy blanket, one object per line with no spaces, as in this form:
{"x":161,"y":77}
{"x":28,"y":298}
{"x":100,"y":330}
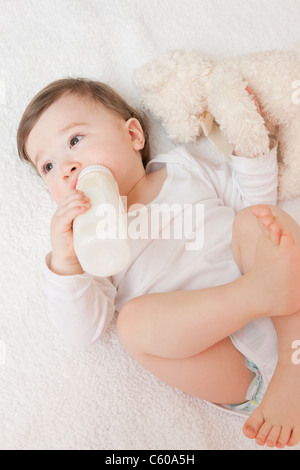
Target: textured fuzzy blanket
{"x":53,"y":396}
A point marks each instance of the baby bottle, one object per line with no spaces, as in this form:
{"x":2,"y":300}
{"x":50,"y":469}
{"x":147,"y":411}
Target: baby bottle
{"x":100,"y":234}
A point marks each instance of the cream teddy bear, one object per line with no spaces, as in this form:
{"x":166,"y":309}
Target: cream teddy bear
{"x":181,"y":87}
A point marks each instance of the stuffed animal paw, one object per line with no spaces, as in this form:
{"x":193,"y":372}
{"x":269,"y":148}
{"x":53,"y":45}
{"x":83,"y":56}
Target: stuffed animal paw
{"x":179,"y":87}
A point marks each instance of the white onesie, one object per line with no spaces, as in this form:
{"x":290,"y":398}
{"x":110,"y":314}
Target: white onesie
{"x":81,"y":306}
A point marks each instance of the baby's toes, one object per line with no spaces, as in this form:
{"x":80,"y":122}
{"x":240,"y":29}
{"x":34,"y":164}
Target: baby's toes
{"x":274,"y":233}
{"x":263,"y":434}
{"x":266,"y":222}
{"x":294,"y":437}
{"x":260,"y":210}
{"x":284,"y":437}
{"x":253,"y":424}
{"x":273,"y":436}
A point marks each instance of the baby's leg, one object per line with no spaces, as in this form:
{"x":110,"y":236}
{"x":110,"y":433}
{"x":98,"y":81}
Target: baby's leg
{"x":174,"y":326}
{"x":181,"y":324}
{"x":165,"y":333}
{"x":277,"y":420}
{"x":217,"y":375}
{"x":269,"y":252}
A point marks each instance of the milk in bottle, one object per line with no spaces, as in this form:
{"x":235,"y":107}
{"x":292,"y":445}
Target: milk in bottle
{"x":100,"y":234}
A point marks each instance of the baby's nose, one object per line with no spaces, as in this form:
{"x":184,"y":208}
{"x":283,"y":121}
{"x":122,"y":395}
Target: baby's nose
{"x":69,"y":169}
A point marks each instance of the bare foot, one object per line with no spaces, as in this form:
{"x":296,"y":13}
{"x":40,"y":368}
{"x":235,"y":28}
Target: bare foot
{"x":268,"y":223}
{"x":277,"y":263}
{"x":276,"y":421}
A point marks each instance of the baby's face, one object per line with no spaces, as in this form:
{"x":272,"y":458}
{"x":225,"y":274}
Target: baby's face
{"x":74,"y":133}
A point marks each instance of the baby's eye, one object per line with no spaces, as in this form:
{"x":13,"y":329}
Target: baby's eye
{"x":46,"y":168}
{"x":74,"y":140}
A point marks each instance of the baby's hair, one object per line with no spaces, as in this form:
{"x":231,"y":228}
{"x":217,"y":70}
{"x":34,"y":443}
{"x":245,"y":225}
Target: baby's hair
{"x":97,"y":91}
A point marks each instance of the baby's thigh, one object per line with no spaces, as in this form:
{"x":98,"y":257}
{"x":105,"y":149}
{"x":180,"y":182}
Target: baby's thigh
{"x":217,"y":375}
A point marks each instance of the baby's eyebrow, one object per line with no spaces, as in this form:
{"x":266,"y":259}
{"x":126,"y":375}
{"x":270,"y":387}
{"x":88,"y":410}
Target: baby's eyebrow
{"x":70,"y":126}
{"x":62,"y":131}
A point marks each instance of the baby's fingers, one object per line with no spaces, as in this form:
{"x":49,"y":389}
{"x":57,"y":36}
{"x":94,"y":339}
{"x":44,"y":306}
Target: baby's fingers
{"x":73,"y":211}
{"x":72,"y":196}
{"x":63,"y":219}
{"x":74,"y":200}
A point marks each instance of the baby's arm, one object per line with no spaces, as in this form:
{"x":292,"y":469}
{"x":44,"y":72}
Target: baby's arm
{"x":80,"y":306}
{"x":255,"y":180}
{"x":249,"y":181}
{"x":246,"y":181}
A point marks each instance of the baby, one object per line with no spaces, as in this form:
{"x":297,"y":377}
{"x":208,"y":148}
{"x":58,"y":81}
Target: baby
{"x":218,"y":321}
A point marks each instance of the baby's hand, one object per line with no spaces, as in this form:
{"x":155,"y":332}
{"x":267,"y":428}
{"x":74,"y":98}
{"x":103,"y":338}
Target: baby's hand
{"x":64,"y":260}
{"x":253,"y":98}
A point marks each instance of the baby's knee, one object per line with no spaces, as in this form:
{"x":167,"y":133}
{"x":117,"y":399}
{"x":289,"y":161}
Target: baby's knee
{"x":126,"y":324}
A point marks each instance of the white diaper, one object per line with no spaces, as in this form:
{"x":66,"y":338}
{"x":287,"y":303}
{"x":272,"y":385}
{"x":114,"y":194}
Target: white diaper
{"x":254,"y":395}
{"x":257,"y":341}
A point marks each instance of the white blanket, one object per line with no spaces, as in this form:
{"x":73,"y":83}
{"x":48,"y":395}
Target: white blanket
{"x":53,"y":396}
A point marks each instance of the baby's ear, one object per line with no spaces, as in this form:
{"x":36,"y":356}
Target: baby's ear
{"x":136,"y":133}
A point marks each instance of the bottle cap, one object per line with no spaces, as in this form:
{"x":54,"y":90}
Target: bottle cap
{"x":90,"y":168}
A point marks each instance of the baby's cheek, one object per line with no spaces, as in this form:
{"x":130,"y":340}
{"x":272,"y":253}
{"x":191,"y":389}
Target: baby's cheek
{"x":57,"y":194}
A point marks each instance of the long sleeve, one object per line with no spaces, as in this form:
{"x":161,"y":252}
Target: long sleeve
{"x":247,"y":181}
{"x":80,"y":306}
